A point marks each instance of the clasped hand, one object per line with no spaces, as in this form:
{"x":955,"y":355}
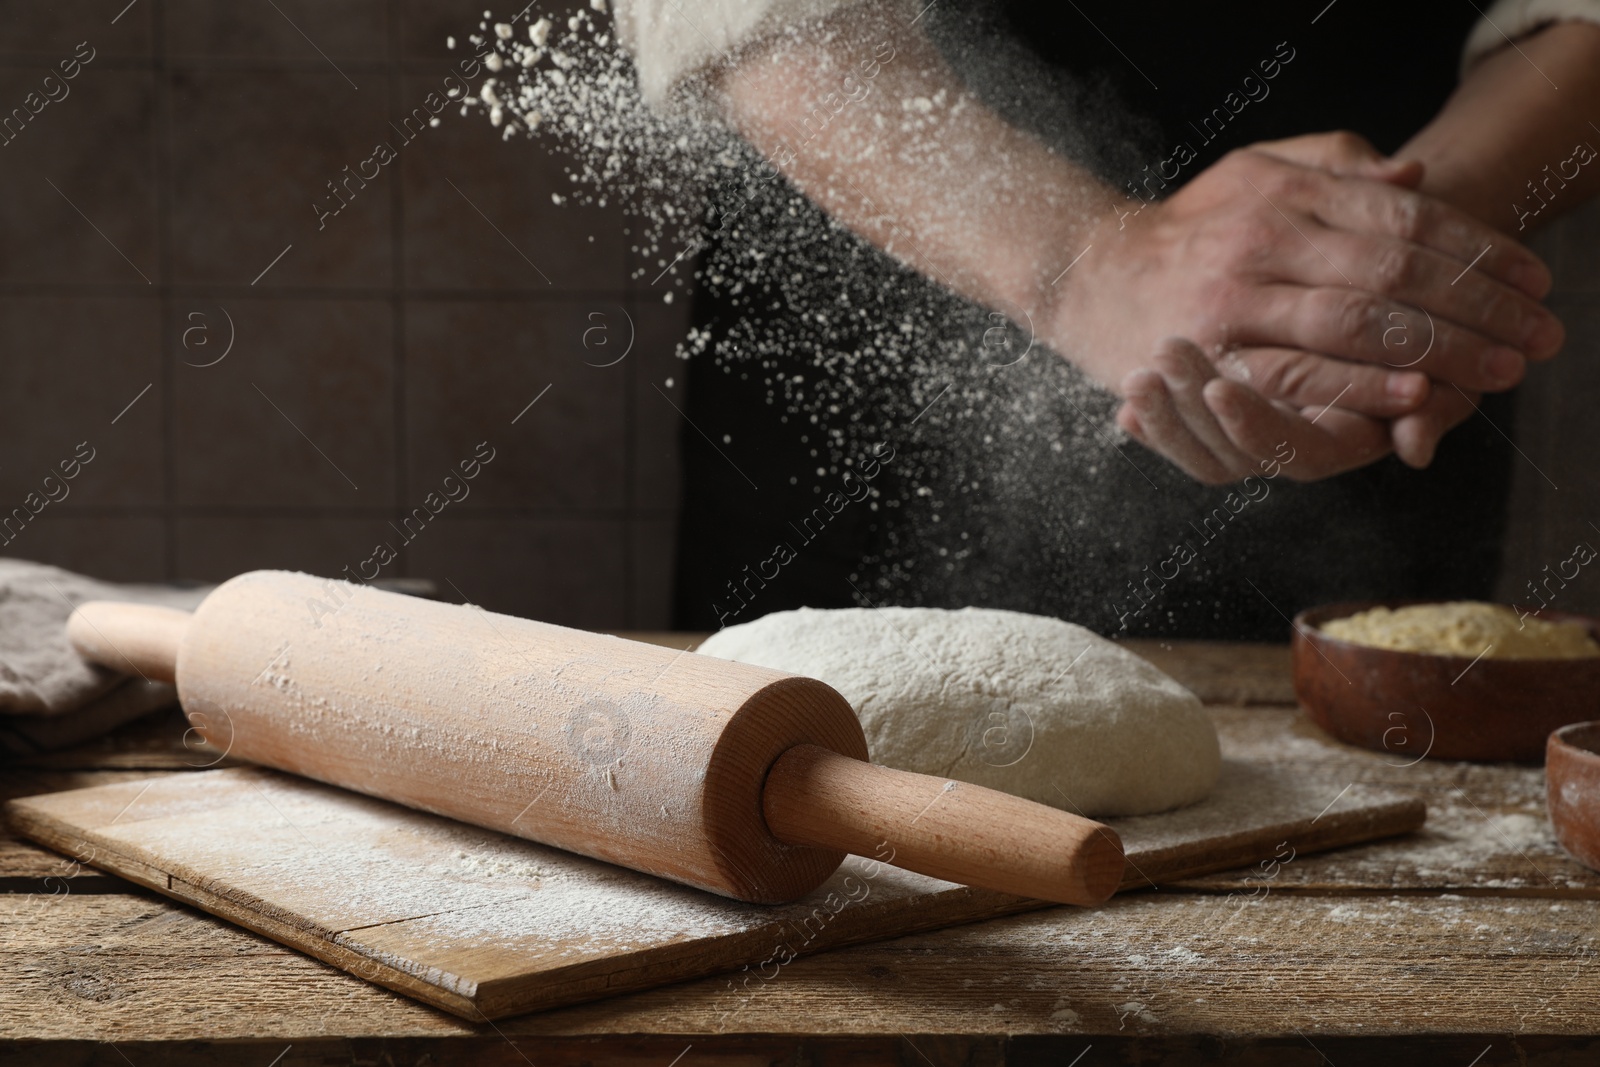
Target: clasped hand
{"x":1302,"y":291}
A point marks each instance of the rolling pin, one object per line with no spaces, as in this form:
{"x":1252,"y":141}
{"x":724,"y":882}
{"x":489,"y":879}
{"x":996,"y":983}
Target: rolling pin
{"x":737,"y":779}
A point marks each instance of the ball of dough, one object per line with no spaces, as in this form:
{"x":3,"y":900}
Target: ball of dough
{"x":1041,"y":708}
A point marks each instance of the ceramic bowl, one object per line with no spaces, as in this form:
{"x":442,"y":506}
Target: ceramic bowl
{"x":1416,"y":704}
{"x":1572,"y":790}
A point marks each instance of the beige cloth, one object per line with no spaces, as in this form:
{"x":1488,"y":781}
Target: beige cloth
{"x":49,"y":696}
{"x":1507,"y":20}
{"x":672,"y":40}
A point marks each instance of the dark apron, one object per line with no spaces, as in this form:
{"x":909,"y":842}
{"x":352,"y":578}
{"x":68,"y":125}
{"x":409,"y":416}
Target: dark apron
{"x":1006,"y":484}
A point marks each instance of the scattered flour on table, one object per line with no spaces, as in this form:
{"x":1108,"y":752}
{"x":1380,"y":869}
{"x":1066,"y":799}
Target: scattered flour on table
{"x":1033,"y":706}
{"x":579,"y":907}
{"x":1458,"y":843}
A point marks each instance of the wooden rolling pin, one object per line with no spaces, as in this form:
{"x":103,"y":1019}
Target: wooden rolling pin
{"x":737,"y":779}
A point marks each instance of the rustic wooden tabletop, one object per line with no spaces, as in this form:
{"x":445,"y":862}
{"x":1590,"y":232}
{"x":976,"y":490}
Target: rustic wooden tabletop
{"x":1471,"y":943}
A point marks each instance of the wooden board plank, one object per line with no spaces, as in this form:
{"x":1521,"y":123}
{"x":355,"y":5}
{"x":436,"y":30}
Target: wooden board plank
{"x":1504,"y":799}
{"x":1487,"y":829}
{"x":139,"y":969}
{"x":25,"y":867}
{"x":486,"y":925}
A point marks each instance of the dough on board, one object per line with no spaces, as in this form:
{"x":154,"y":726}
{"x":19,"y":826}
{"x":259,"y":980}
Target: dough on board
{"x":1029,"y":705}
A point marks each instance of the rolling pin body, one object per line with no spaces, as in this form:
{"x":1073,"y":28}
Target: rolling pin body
{"x":648,"y":757}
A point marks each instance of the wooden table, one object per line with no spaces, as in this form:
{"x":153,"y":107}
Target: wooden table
{"x":1473,"y":943}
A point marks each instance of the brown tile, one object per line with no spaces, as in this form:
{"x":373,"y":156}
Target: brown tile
{"x":52,"y":31}
{"x":213,"y":548}
{"x":658,"y":384}
{"x":311,"y":30}
{"x":252,"y":153}
{"x":299,"y":414}
{"x":78,"y":181}
{"x":70,"y":368}
{"x":654,"y":553}
{"x":472,"y":369}
{"x":566,"y":571}
{"x":115,"y":548}
{"x":479,"y":214}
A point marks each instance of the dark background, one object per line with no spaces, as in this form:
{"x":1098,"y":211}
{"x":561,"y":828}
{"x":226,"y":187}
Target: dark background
{"x":378,"y":352}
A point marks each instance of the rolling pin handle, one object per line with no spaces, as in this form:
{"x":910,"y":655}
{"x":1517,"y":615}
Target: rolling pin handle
{"x":140,"y":639}
{"x":946,"y":829}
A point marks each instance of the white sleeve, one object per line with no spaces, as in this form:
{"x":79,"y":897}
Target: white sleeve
{"x":1507,"y":20}
{"x":674,"y":39}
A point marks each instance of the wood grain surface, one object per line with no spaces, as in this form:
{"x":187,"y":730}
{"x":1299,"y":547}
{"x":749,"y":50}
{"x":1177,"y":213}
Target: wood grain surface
{"x":132,"y":969}
{"x":1487,"y":831}
{"x":487,"y":926}
{"x":1376,"y":954}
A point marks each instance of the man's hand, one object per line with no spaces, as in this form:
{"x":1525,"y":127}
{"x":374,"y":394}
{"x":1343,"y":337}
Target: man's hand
{"x":1287,"y":263}
{"x":1219,"y":431}
{"x":1505,"y":122}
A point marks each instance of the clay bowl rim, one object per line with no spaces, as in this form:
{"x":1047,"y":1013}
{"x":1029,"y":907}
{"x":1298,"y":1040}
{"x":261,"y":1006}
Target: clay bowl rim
{"x":1308,"y":626}
{"x":1564,"y":739}
{"x":1572,"y":755}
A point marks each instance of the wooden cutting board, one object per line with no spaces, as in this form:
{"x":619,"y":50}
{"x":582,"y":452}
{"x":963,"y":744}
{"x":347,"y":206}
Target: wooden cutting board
{"x":487,"y":926}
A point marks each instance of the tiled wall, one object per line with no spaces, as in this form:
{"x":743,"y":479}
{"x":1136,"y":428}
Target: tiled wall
{"x":162,"y":209}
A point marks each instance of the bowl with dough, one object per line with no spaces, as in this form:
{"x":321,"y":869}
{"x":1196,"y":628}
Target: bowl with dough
{"x":1446,"y":680}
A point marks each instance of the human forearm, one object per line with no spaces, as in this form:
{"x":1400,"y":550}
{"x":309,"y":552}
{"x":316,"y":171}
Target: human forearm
{"x":871,"y":124}
{"x":1507,"y":146}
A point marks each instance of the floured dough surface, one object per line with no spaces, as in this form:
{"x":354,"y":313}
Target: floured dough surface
{"x":1029,"y":705}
